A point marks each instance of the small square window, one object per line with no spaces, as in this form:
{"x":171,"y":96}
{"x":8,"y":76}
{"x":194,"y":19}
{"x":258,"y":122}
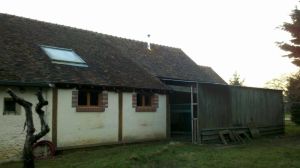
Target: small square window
{"x":10,"y":107}
{"x":144,"y":100}
{"x":88,"y":98}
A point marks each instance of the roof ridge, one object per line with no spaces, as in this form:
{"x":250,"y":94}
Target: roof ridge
{"x":91,"y":31}
{"x":204,"y":66}
{"x":140,"y":41}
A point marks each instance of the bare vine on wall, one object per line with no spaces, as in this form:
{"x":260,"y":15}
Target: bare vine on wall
{"x":31,"y":138}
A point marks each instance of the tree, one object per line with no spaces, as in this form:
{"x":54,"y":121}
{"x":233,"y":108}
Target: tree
{"x":31,"y":138}
{"x":279,"y":83}
{"x":293,"y":96}
{"x":293,"y":48}
{"x":236,"y":80}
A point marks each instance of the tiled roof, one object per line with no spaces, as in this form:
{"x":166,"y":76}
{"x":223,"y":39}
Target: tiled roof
{"x":166,"y":62}
{"x":214,"y":77}
{"x":112,"y":61}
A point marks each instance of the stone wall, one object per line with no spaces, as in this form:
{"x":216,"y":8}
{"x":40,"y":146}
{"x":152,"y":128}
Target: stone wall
{"x":12,"y":135}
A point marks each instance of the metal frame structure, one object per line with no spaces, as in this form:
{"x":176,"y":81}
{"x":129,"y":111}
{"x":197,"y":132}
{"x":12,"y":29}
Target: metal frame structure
{"x":193,"y":107}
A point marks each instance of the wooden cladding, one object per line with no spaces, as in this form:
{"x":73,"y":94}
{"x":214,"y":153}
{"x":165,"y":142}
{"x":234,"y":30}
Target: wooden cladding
{"x":89,"y":101}
{"x":234,"y":106}
{"x":141,"y":104}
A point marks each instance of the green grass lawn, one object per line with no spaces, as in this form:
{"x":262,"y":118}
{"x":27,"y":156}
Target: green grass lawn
{"x":269,"y":152}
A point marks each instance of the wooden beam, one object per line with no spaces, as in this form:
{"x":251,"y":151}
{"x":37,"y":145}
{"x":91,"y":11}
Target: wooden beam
{"x":198,"y":115}
{"x":54,"y":116}
{"x":185,"y":89}
{"x":168,"y":115}
{"x":120,"y":128}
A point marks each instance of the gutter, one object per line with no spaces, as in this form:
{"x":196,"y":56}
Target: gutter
{"x":219,"y":84}
{"x":178,"y":80}
{"x":17,"y":83}
{"x":189,"y":81}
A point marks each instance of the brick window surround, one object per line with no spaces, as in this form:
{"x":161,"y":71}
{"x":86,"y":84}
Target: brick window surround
{"x":103,"y":102}
{"x":152,"y":108}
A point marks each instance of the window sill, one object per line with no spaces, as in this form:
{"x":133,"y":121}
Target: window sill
{"x":90,"y":109}
{"x":145,"y":109}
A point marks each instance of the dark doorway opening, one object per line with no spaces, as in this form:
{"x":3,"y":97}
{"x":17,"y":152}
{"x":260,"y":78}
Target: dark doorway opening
{"x":180,"y":113}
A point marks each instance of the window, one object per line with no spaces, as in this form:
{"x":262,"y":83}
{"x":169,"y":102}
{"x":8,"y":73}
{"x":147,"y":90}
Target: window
{"x":88,"y":98}
{"x":63,"y":56}
{"x":94,"y":98}
{"x":10,"y":107}
{"x":143,"y":100}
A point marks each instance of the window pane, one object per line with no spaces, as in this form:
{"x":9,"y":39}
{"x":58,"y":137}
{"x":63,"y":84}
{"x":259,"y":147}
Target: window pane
{"x":148,"y":100}
{"x":9,"y":106}
{"x":82,"y":98}
{"x":62,"y":54}
{"x":94,"y":98}
{"x":139,"y":100}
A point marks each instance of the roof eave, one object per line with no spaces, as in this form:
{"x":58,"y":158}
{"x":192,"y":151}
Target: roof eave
{"x":18,"y":83}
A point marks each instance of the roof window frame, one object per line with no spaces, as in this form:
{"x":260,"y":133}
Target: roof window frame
{"x":80,"y":63}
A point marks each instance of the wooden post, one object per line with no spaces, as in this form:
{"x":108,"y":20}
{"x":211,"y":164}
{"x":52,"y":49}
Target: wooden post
{"x":120,"y":134}
{"x":54,"y":116}
{"x":192,"y":114}
{"x":168,"y":119}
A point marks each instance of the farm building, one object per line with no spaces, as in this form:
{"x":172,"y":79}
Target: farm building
{"x":103,"y":89}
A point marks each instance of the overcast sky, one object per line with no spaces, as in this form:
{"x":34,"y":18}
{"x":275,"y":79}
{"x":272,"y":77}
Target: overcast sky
{"x":228,"y":35}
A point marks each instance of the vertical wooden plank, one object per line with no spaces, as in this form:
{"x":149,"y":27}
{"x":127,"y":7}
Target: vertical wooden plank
{"x":282,"y":120}
{"x":199,"y":137}
{"x":215,"y":106}
{"x":54,"y":116}
{"x":120,"y":128}
{"x":168,"y":119}
{"x":201,"y":108}
{"x":192,"y":113}
{"x":262,"y":105}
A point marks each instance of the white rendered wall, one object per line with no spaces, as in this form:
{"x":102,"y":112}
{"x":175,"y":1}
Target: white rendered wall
{"x":12,"y":136}
{"x":139,"y":126}
{"x":80,"y":128}
{"x":86,"y":128}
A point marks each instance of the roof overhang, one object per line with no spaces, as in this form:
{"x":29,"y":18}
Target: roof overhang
{"x":18,"y":83}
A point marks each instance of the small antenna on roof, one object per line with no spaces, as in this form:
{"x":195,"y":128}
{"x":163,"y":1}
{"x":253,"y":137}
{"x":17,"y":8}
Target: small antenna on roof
{"x":148,"y":42}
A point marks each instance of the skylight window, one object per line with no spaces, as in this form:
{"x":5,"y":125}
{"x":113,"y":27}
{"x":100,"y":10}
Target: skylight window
{"x":63,"y":56}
